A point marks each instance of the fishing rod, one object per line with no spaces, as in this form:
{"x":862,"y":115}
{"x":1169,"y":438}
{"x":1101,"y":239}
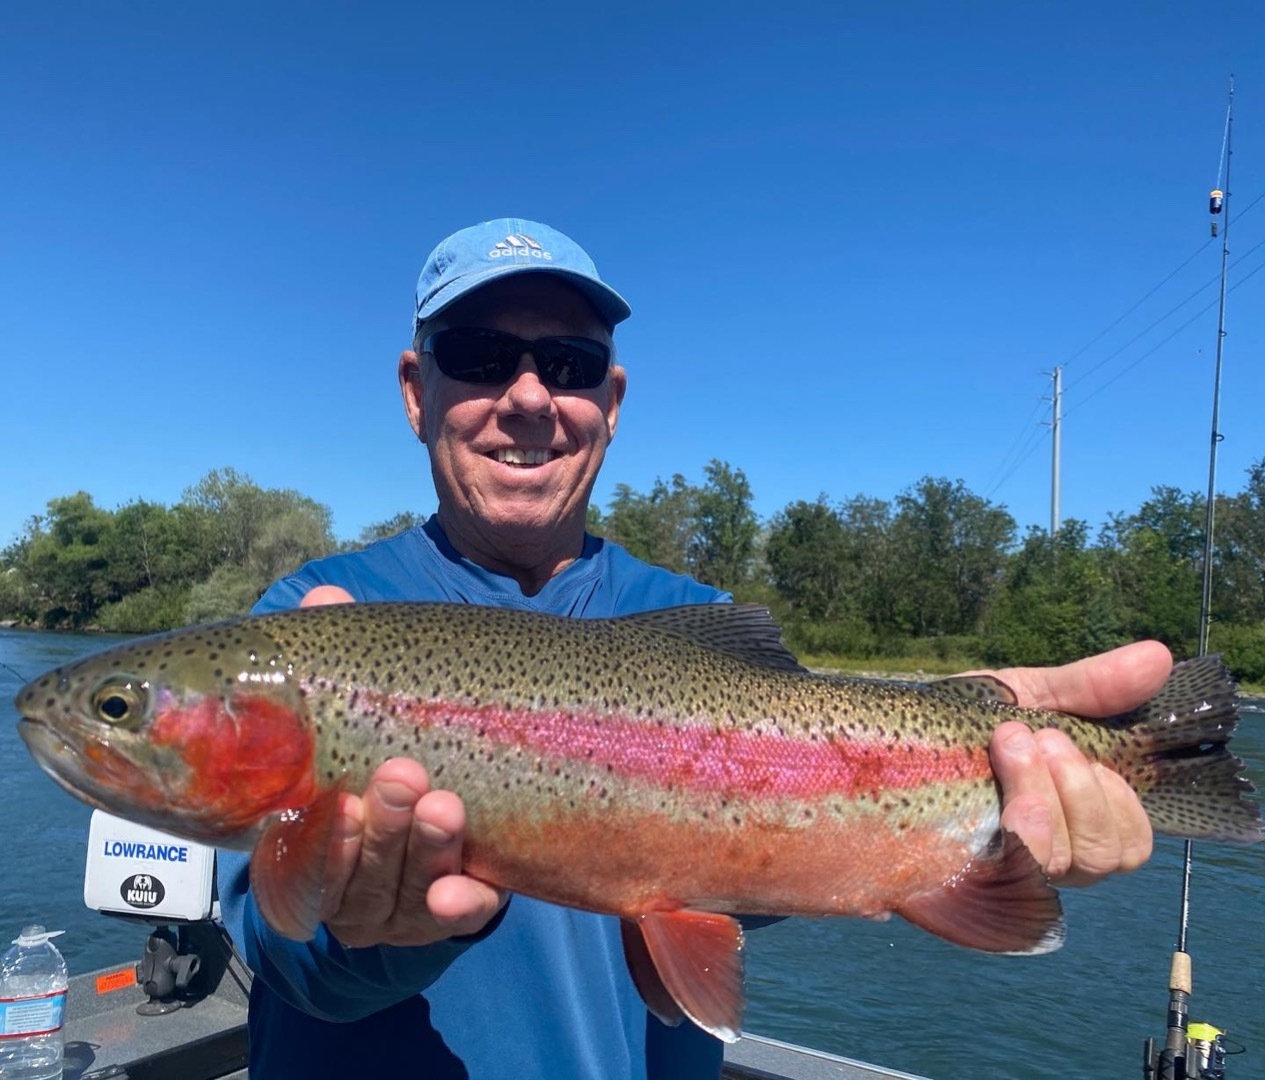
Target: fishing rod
{"x":1197,"y":1051}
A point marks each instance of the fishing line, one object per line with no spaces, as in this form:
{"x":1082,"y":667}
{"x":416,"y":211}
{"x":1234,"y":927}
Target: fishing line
{"x":10,"y":670}
{"x":1171,"y":311}
{"x":1028,"y":432}
{"x":1202,"y":311}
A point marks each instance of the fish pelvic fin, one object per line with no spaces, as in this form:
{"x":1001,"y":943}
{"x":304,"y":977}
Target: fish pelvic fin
{"x":1174,"y":754}
{"x":1001,"y":902}
{"x":691,"y":965}
{"x":287,"y":867}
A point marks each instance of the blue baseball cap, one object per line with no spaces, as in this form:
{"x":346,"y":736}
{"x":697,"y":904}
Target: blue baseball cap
{"x":472,"y":257}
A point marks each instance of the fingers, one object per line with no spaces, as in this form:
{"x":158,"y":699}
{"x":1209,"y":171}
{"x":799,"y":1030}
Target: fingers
{"x":1030,"y":802}
{"x":393,"y":870}
{"x":463,"y":905}
{"x":326,"y":594}
{"x":394,"y":866}
{"x":1080,"y":819}
{"x":343,"y":854}
{"x":434,"y":846}
{"x":1104,"y":685}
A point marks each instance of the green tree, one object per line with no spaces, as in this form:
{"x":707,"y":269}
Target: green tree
{"x":392,"y":526}
{"x":230,"y":590}
{"x":873,"y":574}
{"x":807,"y":554}
{"x":950,"y":546}
{"x":656,"y":527}
{"x":722,"y":547}
{"x":1155,"y":558}
{"x":68,"y":561}
{"x":1239,"y":575}
{"x":1056,"y":603}
{"x":265,"y":531}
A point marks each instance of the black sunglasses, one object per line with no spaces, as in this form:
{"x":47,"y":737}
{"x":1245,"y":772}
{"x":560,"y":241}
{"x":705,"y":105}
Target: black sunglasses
{"x":473,"y":355}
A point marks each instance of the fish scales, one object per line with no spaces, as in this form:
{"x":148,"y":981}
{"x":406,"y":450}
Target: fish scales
{"x":668,"y":768}
{"x":495,"y":707}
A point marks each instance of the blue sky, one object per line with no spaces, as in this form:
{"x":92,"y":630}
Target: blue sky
{"x":854,"y":237}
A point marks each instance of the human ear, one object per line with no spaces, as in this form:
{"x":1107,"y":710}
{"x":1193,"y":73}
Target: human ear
{"x":616,"y":385}
{"x":410,"y":372}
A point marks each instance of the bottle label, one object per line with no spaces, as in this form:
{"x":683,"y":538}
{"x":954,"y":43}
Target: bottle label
{"x":21,"y":1017}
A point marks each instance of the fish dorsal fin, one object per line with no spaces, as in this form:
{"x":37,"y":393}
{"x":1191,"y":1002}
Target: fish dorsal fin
{"x":744,"y":631}
{"x":978,"y":688}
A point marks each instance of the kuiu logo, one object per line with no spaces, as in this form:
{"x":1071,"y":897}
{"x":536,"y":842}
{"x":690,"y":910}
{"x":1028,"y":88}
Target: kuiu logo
{"x":521,"y":246}
{"x":142,"y":891}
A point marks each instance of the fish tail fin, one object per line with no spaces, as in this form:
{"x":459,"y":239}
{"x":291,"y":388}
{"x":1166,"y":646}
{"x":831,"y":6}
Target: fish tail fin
{"x":1173,"y":753}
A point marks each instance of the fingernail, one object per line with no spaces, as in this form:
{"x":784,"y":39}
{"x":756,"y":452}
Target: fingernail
{"x":433,"y":834}
{"x":396,"y":796}
{"x":1038,"y":816}
{"x":346,"y":828}
{"x":1021,"y":741}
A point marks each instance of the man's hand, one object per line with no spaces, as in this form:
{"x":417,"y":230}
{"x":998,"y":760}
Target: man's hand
{"x":1080,"y":819}
{"x":393,"y":875}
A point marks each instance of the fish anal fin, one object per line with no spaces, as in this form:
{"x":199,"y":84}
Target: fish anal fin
{"x":698,"y":958}
{"x":287,"y":867}
{"x":644,"y":976}
{"x":1001,"y":902}
{"x":978,"y":688}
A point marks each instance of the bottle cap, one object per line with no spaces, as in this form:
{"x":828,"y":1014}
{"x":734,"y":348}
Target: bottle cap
{"x":35,"y":935}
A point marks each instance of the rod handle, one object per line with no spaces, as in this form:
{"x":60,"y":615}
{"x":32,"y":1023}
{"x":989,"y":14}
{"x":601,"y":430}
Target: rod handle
{"x":1179,"y":973}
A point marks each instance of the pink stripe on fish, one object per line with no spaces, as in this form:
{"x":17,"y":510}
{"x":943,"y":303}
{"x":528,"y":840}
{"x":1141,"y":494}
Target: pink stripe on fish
{"x":753,"y":763}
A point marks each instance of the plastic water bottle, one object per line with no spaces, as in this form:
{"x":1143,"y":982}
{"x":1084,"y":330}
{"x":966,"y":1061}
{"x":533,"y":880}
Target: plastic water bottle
{"x":32,"y":1007}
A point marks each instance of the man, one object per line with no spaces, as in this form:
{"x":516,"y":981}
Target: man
{"x":418,"y":970}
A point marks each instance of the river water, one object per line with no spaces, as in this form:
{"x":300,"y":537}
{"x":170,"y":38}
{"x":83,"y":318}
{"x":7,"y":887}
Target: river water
{"x":882,"y":992}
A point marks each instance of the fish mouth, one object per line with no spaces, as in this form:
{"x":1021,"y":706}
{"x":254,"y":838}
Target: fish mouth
{"x":91,"y":771}
{"x":62,"y":761}
{"x":523,"y":458}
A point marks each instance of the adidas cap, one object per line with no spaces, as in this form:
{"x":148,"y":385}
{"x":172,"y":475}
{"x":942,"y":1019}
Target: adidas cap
{"x":474,"y":256}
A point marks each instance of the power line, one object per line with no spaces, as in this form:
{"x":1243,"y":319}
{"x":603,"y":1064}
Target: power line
{"x":1171,"y":311}
{"x":1023,"y":430}
{"x":1206,"y":308}
{"x":1169,"y":277}
{"x":1027,"y":441}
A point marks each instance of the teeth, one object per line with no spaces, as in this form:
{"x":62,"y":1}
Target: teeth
{"x":522,"y":457}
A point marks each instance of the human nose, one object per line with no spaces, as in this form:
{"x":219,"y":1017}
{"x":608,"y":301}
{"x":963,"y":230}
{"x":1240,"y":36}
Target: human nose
{"x":526,"y":393}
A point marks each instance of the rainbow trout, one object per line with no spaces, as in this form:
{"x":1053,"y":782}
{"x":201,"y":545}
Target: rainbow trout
{"x":672,"y":768}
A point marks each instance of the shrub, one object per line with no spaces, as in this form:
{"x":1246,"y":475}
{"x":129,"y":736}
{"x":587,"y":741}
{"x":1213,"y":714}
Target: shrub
{"x":148,"y":610}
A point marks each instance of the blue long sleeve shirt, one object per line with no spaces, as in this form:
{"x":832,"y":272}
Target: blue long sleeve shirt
{"x":543,"y":992}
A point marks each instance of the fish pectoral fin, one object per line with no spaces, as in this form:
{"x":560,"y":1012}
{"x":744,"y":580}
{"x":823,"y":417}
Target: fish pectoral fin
{"x":287,"y":867}
{"x":978,"y":688}
{"x":644,"y":976}
{"x":697,"y":961}
{"x":1001,"y":902}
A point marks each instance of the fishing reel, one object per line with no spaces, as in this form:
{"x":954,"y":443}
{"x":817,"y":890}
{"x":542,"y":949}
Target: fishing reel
{"x":1204,"y":1057}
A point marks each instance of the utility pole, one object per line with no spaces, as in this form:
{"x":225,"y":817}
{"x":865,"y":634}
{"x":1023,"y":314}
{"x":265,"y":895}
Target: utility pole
{"x":1057,"y":426}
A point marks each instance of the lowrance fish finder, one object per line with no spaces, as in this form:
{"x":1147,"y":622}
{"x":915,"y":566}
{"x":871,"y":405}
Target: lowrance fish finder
{"x":138,"y":871}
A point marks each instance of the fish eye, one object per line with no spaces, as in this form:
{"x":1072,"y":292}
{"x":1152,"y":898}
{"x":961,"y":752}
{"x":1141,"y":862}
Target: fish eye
{"x":119,"y":703}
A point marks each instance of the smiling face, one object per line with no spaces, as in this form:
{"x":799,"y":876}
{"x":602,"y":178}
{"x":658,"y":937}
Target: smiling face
{"x":514,"y":464}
